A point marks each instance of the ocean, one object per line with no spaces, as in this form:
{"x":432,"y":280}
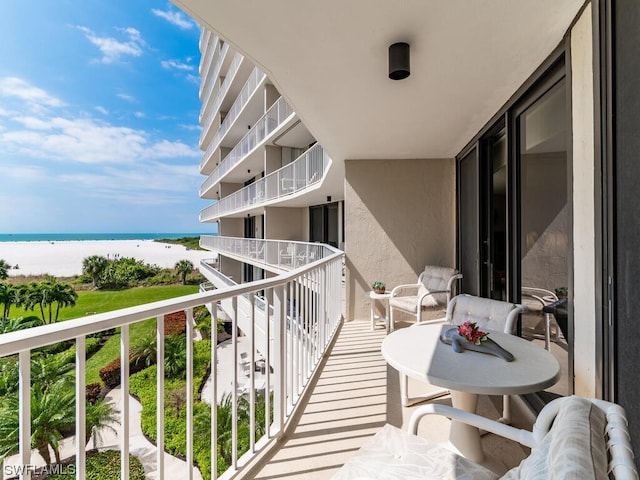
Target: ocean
{"x":59,"y":237}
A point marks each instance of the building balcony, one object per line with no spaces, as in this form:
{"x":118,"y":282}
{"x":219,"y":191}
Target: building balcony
{"x":247,"y":94}
{"x":209,"y":47}
{"x":279,"y":115}
{"x":276,"y":256}
{"x":237,"y":73}
{"x":305,"y":172}
{"x":208,"y":91}
{"x":298,"y":318}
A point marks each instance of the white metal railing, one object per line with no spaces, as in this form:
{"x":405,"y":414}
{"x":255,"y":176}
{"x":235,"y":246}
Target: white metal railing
{"x":205,"y":35}
{"x":206,"y":62}
{"x":305,"y":309}
{"x":219,"y":96}
{"x":270,"y":254}
{"x":210,"y":82}
{"x":277,"y":114}
{"x":307,"y":170}
{"x":249,"y":88}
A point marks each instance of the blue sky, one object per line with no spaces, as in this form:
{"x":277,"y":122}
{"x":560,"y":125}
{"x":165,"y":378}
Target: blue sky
{"x":98,"y":117}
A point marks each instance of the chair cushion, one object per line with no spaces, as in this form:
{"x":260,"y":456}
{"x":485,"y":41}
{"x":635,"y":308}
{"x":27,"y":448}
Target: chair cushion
{"x":435,"y":278}
{"x":574,"y":448}
{"x":394,"y":454}
{"x":487,"y":313}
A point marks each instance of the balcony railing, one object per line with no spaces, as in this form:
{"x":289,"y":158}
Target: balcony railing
{"x":277,"y":114}
{"x":270,"y":254}
{"x":305,"y":171}
{"x":247,"y":91}
{"x":224,"y":88}
{"x":212,"y":81}
{"x":206,"y":63}
{"x":304,"y":311}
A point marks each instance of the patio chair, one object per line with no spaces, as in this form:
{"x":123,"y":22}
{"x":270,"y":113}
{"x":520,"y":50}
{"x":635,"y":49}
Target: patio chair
{"x":536,"y":299}
{"x":431,"y":292}
{"x":488,"y":314}
{"x":573,"y":437}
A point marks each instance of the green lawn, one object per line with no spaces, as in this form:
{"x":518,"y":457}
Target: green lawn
{"x":98,"y":301}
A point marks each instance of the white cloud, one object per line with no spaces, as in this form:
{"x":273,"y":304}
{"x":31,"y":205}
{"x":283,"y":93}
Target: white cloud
{"x":193,"y":79}
{"x":102,"y":110}
{"x":112,"y":49}
{"x":23,"y":90}
{"x":139,"y":115}
{"x":175,"y":65}
{"x":126,"y":97}
{"x":175,"y":18}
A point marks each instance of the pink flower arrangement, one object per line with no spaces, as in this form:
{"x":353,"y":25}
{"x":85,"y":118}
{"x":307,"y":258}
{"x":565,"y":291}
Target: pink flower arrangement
{"x":470,"y":331}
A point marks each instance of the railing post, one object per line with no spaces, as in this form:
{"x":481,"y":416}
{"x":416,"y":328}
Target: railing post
{"x":124,"y":402}
{"x":24,"y":415}
{"x":81,"y":408}
{"x":189,"y":419}
{"x":213,"y":308}
{"x":279,"y":361}
{"x":160,"y":395}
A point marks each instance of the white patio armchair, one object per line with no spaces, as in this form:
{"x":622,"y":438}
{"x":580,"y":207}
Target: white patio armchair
{"x":432,"y":292}
{"x":573,"y":437}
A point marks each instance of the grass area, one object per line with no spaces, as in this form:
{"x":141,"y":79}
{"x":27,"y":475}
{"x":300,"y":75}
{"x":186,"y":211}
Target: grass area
{"x":102,"y":466}
{"x":190,"y":242}
{"x":100,"y":301}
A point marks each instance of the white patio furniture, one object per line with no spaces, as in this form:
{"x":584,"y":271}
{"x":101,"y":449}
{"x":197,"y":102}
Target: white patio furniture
{"x":573,"y":437}
{"x":431,"y":292}
{"x":536,"y":299}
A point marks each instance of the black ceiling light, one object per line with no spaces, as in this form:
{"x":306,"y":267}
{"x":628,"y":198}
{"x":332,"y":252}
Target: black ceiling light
{"x":399,"y":61}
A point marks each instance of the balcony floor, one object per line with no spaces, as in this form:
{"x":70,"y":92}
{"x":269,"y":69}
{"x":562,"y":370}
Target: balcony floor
{"x":353,"y":397}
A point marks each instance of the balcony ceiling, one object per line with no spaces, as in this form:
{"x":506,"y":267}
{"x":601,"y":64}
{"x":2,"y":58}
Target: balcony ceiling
{"x":329,"y":59}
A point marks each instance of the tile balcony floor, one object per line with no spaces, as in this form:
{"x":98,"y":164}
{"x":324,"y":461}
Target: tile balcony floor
{"x":355,"y":394}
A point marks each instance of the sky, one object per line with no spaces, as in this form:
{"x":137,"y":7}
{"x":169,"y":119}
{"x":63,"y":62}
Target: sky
{"x":99,"y":117}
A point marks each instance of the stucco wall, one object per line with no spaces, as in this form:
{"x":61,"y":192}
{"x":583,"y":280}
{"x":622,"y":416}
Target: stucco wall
{"x":284,"y":223}
{"x":584,"y":206}
{"x":399,"y":216}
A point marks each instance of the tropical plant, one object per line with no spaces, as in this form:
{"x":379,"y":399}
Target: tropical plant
{"x":52,"y":413}
{"x":4,"y":269}
{"x":49,"y":296}
{"x":94,"y":266}
{"x":145,"y":353}
{"x":100,"y":416}
{"x":184,"y":267}
{"x":49,"y":369}
{"x":8,"y":297}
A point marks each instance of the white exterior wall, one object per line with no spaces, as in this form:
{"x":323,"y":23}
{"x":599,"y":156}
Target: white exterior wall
{"x":583,"y":205}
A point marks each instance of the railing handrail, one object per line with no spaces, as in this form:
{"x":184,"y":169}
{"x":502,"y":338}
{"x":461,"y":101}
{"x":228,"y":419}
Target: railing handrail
{"x":271,"y":186}
{"x":36,"y":337}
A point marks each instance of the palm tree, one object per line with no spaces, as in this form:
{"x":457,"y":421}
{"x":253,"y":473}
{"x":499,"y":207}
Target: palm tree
{"x":47,"y":294}
{"x":52,"y":413}
{"x":94,"y":266}
{"x":100,"y":415}
{"x":184,"y":267}
{"x":8,"y":297}
{"x":60,"y":294}
{"x":4,"y":269}
{"x":144,"y":351}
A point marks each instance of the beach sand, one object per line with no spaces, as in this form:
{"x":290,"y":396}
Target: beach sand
{"x":64,"y":258}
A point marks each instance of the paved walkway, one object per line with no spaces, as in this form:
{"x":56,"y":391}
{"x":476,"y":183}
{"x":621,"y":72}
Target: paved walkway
{"x":107,"y":439}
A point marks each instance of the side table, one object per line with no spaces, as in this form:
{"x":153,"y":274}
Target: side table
{"x":382,"y":297}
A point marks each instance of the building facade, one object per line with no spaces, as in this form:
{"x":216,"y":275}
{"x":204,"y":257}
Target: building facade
{"x":509,"y":152}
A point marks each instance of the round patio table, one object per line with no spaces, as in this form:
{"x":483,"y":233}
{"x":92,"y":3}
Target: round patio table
{"x":417,"y":352}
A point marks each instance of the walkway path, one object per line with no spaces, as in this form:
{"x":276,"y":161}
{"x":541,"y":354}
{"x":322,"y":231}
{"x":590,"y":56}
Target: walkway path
{"x":107,"y":439}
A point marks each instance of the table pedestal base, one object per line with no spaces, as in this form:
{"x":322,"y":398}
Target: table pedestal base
{"x":465,"y":438}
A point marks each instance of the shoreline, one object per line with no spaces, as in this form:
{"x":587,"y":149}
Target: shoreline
{"x":63,"y":258}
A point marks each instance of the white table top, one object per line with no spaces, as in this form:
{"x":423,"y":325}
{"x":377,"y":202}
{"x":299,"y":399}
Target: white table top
{"x":379,"y":296}
{"x":417,"y":352}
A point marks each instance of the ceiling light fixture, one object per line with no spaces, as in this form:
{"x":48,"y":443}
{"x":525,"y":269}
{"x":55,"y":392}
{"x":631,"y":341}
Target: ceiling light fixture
{"x":399,"y":61}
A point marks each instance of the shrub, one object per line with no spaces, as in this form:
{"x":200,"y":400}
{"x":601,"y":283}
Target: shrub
{"x":93,"y":392}
{"x":110,"y":373}
{"x":104,"y":466}
{"x":175,"y":323}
